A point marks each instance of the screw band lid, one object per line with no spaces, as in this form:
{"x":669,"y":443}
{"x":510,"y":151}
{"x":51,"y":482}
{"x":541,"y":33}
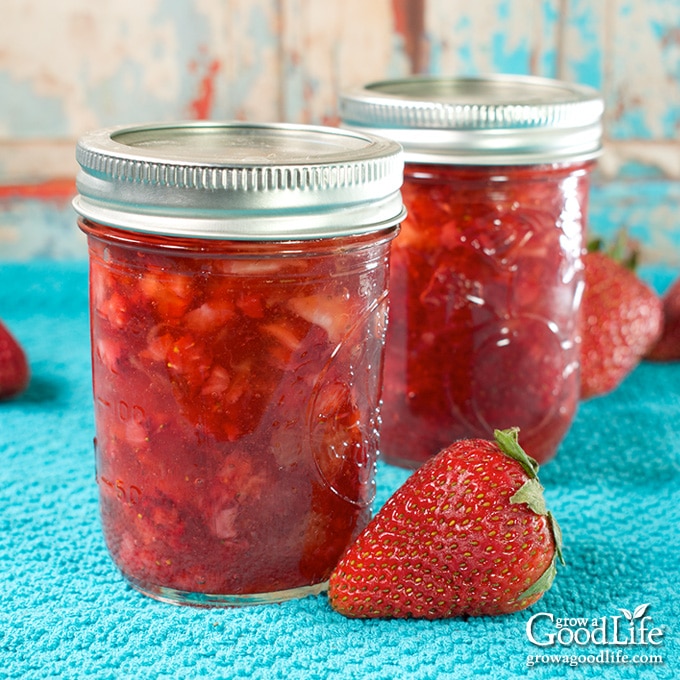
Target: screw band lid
{"x":239,"y":180}
{"x":496,"y":119}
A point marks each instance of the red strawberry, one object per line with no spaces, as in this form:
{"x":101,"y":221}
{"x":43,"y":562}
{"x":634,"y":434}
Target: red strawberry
{"x":622,"y":319}
{"x":14,"y":371}
{"x":467,"y":534}
{"x":667,"y":347}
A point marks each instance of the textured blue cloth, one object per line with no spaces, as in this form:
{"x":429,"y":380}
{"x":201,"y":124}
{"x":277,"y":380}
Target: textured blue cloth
{"x":66,"y":613}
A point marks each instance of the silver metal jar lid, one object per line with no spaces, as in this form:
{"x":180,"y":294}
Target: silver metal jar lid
{"x":239,"y":180}
{"x":491,"y":120}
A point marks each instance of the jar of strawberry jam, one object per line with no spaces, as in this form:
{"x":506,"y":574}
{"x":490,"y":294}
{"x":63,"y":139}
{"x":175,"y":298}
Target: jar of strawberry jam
{"x":486,"y":275}
{"x":238,"y":285}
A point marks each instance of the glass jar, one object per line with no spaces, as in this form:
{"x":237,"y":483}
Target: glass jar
{"x":486,"y":273}
{"x":238,"y":293}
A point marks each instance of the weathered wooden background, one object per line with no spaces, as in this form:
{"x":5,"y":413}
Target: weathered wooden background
{"x":72,"y":65}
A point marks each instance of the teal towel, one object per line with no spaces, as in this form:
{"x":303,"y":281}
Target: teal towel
{"x":65,"y":612}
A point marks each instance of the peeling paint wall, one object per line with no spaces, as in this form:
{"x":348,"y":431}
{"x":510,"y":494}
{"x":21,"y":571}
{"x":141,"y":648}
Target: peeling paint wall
{"x":73,"y":65}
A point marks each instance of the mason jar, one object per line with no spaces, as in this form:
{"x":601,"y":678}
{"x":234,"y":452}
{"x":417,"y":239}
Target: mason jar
{"x":487,"y":271}
{"x":238,"y":302}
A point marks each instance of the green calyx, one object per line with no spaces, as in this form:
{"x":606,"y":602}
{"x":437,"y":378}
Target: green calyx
{"x":542,"y":583}
{"x":557,"y":536}
{"x":531,"y":494}
{"x":622,"y":249}
{"x":508,"y":440}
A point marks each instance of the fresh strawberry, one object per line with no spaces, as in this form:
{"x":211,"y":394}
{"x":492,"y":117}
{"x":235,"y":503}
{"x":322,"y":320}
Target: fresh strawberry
{"x":667,"y":347}
{"x":14,"y":370}
{"x":622,"y":319}
{"x":467,"y":534}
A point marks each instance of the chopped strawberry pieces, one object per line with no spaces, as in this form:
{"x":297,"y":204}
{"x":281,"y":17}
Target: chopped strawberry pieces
{"x":485,"y":280}
{"x":217,"y":383}
{"x":332,"y":313}
{"x":251,"y":305}
{"x":236,"y":403}
{"x":212,"y":315}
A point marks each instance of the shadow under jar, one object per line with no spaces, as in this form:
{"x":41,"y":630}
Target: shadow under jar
{"x":238,"y":294}
{"x":486,"y":273}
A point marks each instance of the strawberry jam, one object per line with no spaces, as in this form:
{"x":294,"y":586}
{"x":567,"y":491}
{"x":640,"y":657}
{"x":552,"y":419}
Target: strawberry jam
{"x":487,"y":274}
{"x":238,"y":303}
{"x":236,"y":392}
{"x":486,"y":282}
